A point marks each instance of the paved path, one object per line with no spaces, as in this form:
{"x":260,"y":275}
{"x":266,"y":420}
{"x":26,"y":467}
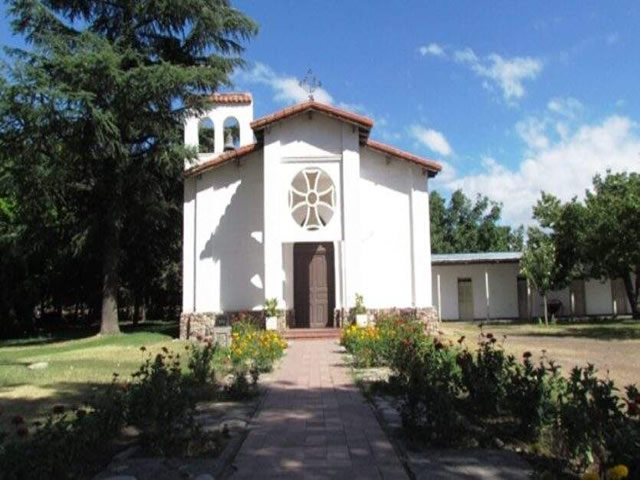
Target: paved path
{"x":314,"y":423}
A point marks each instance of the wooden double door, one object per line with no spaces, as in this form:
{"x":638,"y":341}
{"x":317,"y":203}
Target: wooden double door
{"x":314,"y":284}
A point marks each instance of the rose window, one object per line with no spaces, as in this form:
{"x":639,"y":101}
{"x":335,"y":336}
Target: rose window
{"x":312,"y":198}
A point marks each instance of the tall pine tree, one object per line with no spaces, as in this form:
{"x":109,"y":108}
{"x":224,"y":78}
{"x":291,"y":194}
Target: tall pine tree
{"x":113,"y":82}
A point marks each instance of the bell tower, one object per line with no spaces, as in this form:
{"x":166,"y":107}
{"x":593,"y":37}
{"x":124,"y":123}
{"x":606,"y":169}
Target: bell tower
{"x":226,"y":126}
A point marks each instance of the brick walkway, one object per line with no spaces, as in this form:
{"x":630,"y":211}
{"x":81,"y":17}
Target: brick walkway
{"x":314,"y":423}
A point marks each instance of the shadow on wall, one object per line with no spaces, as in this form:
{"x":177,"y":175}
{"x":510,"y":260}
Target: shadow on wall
{"x":232,"y":245}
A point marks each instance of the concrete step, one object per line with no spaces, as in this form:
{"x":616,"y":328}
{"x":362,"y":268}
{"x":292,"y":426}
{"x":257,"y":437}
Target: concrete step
{"x":311,"y":333}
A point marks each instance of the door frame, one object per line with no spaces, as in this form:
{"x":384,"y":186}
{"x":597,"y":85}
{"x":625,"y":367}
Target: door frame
{"x":310,"y":249}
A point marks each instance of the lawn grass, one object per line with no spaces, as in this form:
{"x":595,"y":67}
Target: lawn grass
{"x":75,"y":368}
{"x":612,"y":346}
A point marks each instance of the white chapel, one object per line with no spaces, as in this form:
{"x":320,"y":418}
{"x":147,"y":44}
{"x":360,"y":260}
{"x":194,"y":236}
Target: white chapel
{"x":304,"y":207}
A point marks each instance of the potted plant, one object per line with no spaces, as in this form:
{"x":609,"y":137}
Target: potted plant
{"x":360,"y":311}
{"x":271,"y":313}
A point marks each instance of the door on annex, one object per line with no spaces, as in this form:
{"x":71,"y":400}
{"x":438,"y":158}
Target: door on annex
{"x":313,"y":277}
{"x":465,"y":299}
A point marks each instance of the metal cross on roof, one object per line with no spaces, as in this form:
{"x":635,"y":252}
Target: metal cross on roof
{"x":310,"y":84}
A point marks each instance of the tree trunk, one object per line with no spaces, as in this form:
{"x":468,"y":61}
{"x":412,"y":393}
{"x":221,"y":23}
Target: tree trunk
{"x":136,"y":309}
{"x":110,"y":281}
{"x":633,"y":292}
{"x":546,"y":317}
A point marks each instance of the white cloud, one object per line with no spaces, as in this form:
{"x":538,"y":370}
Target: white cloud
{"x":432,"y":139}
{"x":432,"y":49}
{"x":286,"y":88}
{"x":532,"y":131}
{"x":568,"y":107}
{"x":564,"y":168}
{"x":508,"y":74}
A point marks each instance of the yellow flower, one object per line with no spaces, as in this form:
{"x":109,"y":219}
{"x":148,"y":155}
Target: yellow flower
{"x":618,"y":472}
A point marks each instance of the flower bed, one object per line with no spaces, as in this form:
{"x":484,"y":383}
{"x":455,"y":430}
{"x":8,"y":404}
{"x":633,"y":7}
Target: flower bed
{"x":453,"y":395}
{"x":158,"y":401}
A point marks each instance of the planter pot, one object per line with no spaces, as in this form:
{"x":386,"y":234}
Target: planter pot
{"x":271,"y":323}
{"x":362,"y":319}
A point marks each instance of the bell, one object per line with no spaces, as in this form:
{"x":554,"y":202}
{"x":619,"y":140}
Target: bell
{"x":228,"y":142}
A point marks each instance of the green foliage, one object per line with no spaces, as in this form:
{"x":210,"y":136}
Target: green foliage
{"x":539,"y":264}
{"x":431,"y":383}
{"x":449,"y":394}
{"x":593,"y":425}
{"x":382,"y":344}
{"x":67,"y":444}
{"x":90,"y":142}
{"x":271,"y":307}
{"x":201,"y":364}
{"x":465,"y":226}
{"x":359,"y":308}
{"x":600,"y":237}
{"x":255,"y":349}
{"x":485,"y":374}
{"x":160,"y":403}
{"x":532,"y":395}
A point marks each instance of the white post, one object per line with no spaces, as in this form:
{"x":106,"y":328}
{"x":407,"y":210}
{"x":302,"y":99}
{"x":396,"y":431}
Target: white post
{"x":573,"y":303}
{"x":486,"y":291}
{"x":439,"y":298}
{"x":528,"y":300}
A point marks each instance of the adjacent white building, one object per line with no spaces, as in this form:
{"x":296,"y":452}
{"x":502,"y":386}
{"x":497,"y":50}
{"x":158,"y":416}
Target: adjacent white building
{"x":301,"y":206}
{"x":478,"y":286}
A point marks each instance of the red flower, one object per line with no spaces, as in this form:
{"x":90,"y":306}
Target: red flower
{"x":461,"y":339}
{"x":80,"y":413}
{"x":526,"y":354}
{"x":22,"y":431}
{"x":143,"y":349}
{"x":17,"y":420}
{"x":58,"y":409}
{"x":489,"y":335}
{"x":632,"y":408}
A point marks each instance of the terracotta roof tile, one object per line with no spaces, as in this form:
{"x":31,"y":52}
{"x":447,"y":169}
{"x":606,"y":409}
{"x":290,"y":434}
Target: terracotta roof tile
{"x":359,"y":120}
{"x":232,"y":98}
{"x":430,"y":165}
{"x":222,"y":159}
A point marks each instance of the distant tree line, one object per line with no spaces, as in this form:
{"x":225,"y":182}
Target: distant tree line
{"x":92,"y":155}
{"x":462,"y":225}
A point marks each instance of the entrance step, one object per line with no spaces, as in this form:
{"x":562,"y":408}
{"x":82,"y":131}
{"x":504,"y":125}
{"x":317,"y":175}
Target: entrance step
{"x":311,"y":333}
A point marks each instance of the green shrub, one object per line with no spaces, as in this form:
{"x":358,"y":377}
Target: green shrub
{"x":532,"y":395}
{"x":68,"y":444}
{"x":431,"y":383}
{"x":200,"y":363}
{"x":592,"y":425}
{"x":160,"y":404}
{"x":485,"y":374}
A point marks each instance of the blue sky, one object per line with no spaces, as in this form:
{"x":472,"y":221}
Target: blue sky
{"x":512,"y":97}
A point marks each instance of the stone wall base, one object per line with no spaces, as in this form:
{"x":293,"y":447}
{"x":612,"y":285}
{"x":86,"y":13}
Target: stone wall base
{"x":427,"y":315}
{"x":202,"y":325}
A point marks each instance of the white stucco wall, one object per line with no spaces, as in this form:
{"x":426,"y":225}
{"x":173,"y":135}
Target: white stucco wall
{"x":503,"y":289}
{"x":385,"y":231}
{"x":218,"y":114}
{"x":228,"y":249}
{"x":239,"y":234}
{"x":503,"y":292}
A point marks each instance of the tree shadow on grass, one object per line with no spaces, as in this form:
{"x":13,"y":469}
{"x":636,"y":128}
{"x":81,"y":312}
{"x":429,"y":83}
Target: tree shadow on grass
{"x":77,"y":332}
{"x":592,"y":333}
{"x":36,"y":402}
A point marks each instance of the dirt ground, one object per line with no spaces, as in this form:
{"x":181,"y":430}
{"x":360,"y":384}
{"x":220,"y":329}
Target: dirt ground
{"x":614,"y":348}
